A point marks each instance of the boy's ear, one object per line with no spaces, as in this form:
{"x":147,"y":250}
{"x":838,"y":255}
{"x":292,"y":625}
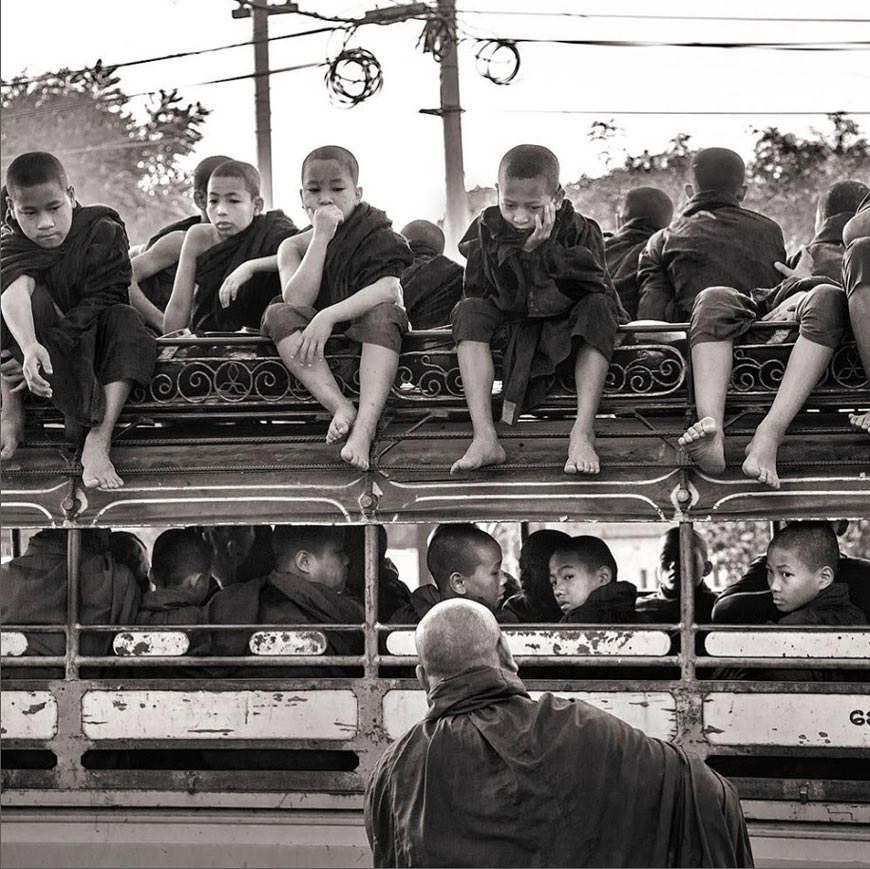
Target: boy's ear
{"x":605,"y":575}
{"x":741,"y":194}
{"x":826,"y":577}
{"x":200,"y":199}
{"x":71,"y":192}
{"x":456,"y":581}
{"x":259,"y":204}
{"x":707,"y":569}
{"x":422,"y":678}
{"x":359,"y":194}
{"x":690,"y":191}
{"x":302,"y":560}
{"x":559,"y":198}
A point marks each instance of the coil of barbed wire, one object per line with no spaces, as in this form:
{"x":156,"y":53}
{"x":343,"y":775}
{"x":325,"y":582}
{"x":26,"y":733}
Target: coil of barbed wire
{"x":438,"y":36}
{"x":492,"y":54}
{"x":353,"y":76}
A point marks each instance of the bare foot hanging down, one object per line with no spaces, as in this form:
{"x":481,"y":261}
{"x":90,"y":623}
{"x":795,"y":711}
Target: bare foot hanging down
{"x":342,"y":422}
{"x":11,"y":429}
{"x":861,"y":421}
{"x":582,"y":458}
{"x":761,"y":457}
{"x":97,"y":468}
{"x":705,"y":444}
{"x":359,"y":443}
{"x":481,"y":453}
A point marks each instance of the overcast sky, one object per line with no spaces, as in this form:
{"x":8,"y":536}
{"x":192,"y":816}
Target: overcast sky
{"x":400,"y":150}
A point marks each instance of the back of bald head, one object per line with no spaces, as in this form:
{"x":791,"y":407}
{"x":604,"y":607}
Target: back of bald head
{"x":203,"y":171}
{"x":718,"y":169}
{"x":649,"y":204}
{"x":457,"y":636}
{"x":425,"y":232}
{"x":843,"y":197}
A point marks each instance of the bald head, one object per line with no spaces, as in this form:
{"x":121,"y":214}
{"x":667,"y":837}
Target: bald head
{"x":456,"y":636}
{"x":649,"y":204}
{"x":718,"y":169}
{"x":425,"y":232}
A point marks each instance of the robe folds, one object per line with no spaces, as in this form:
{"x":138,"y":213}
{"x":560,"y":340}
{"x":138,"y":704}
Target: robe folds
{"x":542,"y":303}
{"x":168,"y":606}
{"x":157,"y":288}
{"x":491,"y":777}
{"x":262,"y":238}
{"x":622,"y":252}
{"x":610,"y":604}
{"x":81,"y":310}
{"x":432,"y":286}
{"x":363,"y":250}
{"x":282,"y":598}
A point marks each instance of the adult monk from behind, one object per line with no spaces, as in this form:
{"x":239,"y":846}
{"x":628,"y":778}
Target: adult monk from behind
{"x":493,"y":778}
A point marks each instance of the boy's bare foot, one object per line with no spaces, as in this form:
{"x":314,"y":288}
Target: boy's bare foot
{"x":97,"y":468}
{"x":342,"y":422}
{"x":582,"y":458}
{"x":761,"y":457}
{"x":11,"y":432}
{"x":480,"y":453}
{"x":861,"y":421}
{"x":356,"y":451}
{"x":705,"y":444}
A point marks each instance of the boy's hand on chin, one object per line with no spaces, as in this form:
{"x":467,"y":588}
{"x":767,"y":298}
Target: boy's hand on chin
{"x":326,"y":220}
{"x":544,"y":223}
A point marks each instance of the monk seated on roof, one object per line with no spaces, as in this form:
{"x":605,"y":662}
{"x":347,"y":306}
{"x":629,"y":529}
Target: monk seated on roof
{"x":228,"y":268}
{"x":307,"y":587}
{"x":856,"y":280}
{"x":156,"y":262}
{"x":583,"y":574}
{"x":663,"y":607}
{"x":535,"y":601}
{"x":66,"y":313}
{"x":644,"y":210}
{"x":33,"y":591}
{"x":802,"y":562}
{"x":465,"y":562}
{"x":432,"y":284}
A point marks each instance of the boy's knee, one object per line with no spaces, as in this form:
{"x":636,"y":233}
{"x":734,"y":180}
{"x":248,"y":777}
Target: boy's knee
{"x":856,"y":267}
{"x":121,"y":317}
{"x":715,"y":299}
{"x":281,"y":320}
{"x":824,"y":315}
{"x":384,"y":324}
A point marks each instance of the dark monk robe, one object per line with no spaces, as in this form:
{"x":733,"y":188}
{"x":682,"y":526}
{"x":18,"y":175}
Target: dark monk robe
{"x":432,"y":286}
{"x":363,"y":250}
{"x":157,"y":288}
{"x":494,"y":778}
{"x":610,"y":604}
{"x":213,"y":266}
{"x":545,"y":301}
{"x":282,"y":598}
{"x":81,"y":310}
{"x":622,"y":252}
{"x":170,"y":606}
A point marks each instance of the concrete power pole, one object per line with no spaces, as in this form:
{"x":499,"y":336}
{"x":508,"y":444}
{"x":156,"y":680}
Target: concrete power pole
{"x":456,"y":217}
{"x":262,"y":101}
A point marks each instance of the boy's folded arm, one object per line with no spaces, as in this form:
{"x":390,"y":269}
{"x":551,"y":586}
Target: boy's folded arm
{"x":163,"y":253}
{"x":18,"y":312}
{"x":386,"y":289}
{"x":300,"y":266}
{"x":177,"y":315}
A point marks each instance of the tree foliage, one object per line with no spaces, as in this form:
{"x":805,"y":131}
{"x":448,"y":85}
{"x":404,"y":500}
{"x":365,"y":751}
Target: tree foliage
{"x":111,"y":156}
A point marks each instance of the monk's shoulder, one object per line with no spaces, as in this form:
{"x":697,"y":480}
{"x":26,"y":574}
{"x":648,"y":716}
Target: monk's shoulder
{"x":201,"y":237}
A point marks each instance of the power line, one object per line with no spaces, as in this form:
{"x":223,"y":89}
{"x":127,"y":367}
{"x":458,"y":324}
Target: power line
{"x":730,"y":113}
{"x":177,"y":55}
{"x":633,"y":43}
{"x":643,"y":17}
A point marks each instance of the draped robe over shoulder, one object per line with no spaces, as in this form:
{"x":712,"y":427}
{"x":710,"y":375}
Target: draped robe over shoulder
{"x":261,"y":239}
{"x":494,"y":778}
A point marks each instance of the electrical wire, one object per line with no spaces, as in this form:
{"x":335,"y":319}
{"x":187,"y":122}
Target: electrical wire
{"x":643,"y":17}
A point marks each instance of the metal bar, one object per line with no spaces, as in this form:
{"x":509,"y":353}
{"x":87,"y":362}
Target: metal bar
{"x":73,"y":559}
{"x":687,"y":598}
{"x":16,"y":542}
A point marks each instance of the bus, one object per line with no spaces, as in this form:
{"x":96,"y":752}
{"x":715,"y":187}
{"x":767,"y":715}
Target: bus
{"x":121,"y":748}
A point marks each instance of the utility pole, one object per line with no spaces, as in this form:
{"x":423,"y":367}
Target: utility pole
{"x":262,"y":100}
{"x":456,"y":216}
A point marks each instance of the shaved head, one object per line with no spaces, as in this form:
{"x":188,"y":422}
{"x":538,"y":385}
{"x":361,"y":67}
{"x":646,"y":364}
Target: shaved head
{"x":530,"y":161}
{"x":718,"y":169}
{"x":425,"y":232}
{"x":649,"y":204}
{"x":340,"y":155}
{"x":456,"y":636}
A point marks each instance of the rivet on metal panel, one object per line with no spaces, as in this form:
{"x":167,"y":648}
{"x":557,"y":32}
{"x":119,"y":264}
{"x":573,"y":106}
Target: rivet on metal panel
{"x":804,"y":794}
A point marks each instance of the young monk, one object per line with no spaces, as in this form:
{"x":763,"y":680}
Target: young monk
{"x":535,"y":268}
{"x":155,"y":265}
{"x":342,"y":275}
{"x":66,"y":312}
{"x":465,"y":562}
{"x":535,"y":603}
{"x":583,"y":574}
{"x":723,"y":313}
{"x":228,"y":269}
{"x":432,"y":285}
{"x":644,"y":210}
